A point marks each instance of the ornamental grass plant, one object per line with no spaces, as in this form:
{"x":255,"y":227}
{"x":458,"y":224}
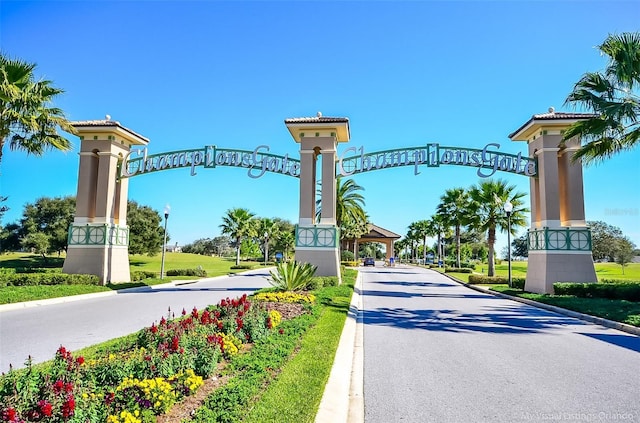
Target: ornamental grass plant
{"x":292,"y":276}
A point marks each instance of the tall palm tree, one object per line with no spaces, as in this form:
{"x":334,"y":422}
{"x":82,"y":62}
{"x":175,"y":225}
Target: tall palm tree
{"x":238,"y":223}
{"x":420,"y":230}
{"x":349,"y":202}
{"x":438,"y":228}
{"x":455,"y":208}
{"x":351,"y":230}
{"x":613,"y":96}
{"x":489,"y":198}
{"x":27,"y":121}
{"x":266,"y":232}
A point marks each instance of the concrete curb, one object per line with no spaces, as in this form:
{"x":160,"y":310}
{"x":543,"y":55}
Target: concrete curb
{"x":80,"y":297}
{"x":343,"y":398}
{"x":633,"y":330}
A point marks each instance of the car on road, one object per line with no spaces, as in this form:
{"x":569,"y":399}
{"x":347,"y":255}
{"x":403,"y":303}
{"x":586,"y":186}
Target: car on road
{"x":369,"y":261}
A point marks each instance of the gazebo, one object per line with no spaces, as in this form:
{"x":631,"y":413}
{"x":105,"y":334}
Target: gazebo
{"x":378,"y":234}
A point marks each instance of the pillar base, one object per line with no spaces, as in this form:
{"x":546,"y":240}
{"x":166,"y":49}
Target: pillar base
{"x":99,"y":249}
{"x":546,"y":268}
{"x":318,"y":245}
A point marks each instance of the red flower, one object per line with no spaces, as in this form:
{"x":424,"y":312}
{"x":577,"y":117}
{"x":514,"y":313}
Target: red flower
{"x":154,"y":328}
{"x":109,"y":397}
{"x":45,"y":407}
{"x":9,"y":415}
{"x":184,"y":311}
{"x":175,"y":343}
{"x":223,"y":303}
{"x":194,"y":313}
{"x":240,"y":313}
{"x":281,"y":331}
{"x":68,"y":407}
{"x":58,"y":386}
{"x":80,"y":360}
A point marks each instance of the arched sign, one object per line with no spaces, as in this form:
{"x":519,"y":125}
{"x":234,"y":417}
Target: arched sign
{"x":259,"y":161}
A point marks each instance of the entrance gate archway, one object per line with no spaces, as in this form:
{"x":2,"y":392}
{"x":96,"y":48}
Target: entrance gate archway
{"x":559,"y":239}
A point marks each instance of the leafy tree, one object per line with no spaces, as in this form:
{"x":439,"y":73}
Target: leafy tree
{"x":146,"y":233}
{"x":266,"y":226}
{"x":439,"y":228}
{"x":27,"y":120}
{"x":51,"y":217}
{"x":285,"y":242}
{"x":10,"y":238}
{"x":489,"y":197}
{"x":520,"y":246}
{"x":624,"y":252}
{"x":613,"y":97}
{"x":3,"y":209}
{"x":37,"y":242}
{"x":455,"y":208}
{"x":604,"y":240}
{"x":238,"y":223}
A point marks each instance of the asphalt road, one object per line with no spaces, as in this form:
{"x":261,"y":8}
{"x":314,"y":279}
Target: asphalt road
{"x":39,"y":331}
{"x":436,"y":351}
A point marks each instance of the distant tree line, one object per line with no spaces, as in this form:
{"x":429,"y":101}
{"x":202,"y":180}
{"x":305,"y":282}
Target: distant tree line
{"x":44,"y":227}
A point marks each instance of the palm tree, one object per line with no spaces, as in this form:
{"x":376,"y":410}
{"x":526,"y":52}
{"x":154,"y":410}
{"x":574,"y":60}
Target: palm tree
{"x":439,"y":228}
{"x":238,"y":223}
{"x":612,"y":96}
{"x":420,"y":230}
{"x":489,"y":198}
{"x":349,"y":202}
{"x":286,"y":241}
{"x":266,"y":232}
{"x":27,"y":121}
{"x":455,"y":208}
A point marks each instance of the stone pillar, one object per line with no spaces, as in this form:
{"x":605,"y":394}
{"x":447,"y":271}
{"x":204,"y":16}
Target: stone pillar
{"x":318,"y":242}
{"x":559,"y":241}
{"x":99,"y":236}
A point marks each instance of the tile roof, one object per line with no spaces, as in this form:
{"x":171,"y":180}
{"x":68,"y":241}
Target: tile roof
{"x":553,"y":115}
{"x":317,"y":119}
{"x":378,"y":232}
{"x":106,"y":122}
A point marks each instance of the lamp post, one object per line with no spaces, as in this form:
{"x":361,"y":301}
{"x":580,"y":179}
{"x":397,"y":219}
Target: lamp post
{"x":266,"y":247}
{"x":167,"y":209}
{"x":508,"y":208}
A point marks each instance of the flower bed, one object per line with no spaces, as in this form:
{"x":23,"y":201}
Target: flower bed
{"x":166,"y":363}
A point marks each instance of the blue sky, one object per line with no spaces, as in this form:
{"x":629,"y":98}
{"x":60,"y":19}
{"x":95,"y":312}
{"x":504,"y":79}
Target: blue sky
{"x":190,"y":74}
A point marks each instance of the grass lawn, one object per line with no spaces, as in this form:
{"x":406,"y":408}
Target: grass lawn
{"x":618,"y":310}
{"x":215,"y":266}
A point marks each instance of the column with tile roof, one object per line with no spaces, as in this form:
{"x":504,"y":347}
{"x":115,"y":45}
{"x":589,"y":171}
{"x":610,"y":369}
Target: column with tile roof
{"x":99,"y":237}
{"x":559,"y":240}
{"x":318,"y":241}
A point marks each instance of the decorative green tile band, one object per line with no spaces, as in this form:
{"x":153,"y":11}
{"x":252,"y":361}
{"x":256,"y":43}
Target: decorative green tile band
{"x":317,"y":236}
{"x":98,"y":234}
{"x":563,"y":239}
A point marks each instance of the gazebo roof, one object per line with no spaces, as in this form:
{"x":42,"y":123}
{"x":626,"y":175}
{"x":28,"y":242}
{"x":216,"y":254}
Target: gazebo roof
{"x":376,"y":232}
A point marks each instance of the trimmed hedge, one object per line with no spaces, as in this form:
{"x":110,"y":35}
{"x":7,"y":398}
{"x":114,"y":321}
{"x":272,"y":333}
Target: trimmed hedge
{"x":32,"y":279}
{"x":140,"y":275}
{"x":480,"y":279}
{"x":350,"y":263}
{"x":457,"y":270}
{"x":629,"y":291}
{"x":199,"y":272}
{"x":242,"y":267}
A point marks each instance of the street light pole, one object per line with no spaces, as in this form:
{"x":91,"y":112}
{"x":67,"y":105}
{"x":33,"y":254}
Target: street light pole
{"x":508,"y":208}
{"x":167,"y":209}
{"x":266,"y":247}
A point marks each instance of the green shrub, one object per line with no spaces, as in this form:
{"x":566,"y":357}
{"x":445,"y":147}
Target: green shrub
{"x":199,"y":272}
{"x":242,"y":267}
{"x":350,"y":263}
{"x":139,"y":275}
{"x":629,"y":291}
{"x":32,"y":279}
{"x":481,"y":279}
{"x":457,"y":270}
{"x":347,"y":256}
